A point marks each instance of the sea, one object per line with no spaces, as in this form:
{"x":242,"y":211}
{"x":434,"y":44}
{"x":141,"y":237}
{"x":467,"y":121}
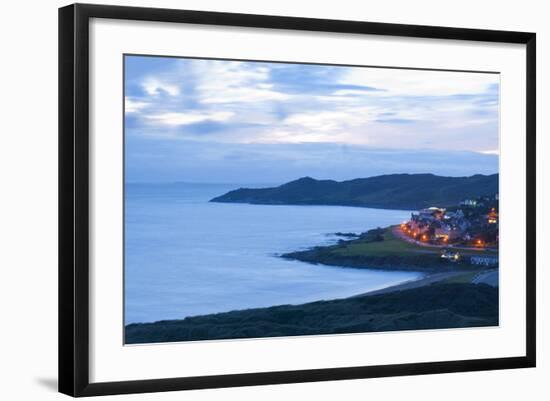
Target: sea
{"x":186,"y":256}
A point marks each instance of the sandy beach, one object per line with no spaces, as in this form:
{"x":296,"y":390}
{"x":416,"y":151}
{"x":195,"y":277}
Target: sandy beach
{"x":427,"y":280}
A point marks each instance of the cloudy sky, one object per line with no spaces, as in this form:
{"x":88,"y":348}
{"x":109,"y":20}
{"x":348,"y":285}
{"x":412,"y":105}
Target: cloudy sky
{"x":254,"y":122}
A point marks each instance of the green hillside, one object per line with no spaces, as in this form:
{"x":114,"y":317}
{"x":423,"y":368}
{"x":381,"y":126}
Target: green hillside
{"x":395,"y":191}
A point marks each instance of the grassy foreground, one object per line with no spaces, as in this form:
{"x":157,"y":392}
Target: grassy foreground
{"x":438,"y":306}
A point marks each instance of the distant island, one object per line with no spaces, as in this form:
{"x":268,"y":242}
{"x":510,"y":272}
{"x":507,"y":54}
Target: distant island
{"x":394,"y":191}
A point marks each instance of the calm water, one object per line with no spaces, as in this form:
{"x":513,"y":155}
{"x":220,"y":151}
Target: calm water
{"x":186,"y":256}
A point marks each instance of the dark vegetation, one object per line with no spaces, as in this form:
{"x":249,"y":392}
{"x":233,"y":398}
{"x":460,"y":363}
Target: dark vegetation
{"x":432,"y":307}
{"x":395,"y":191}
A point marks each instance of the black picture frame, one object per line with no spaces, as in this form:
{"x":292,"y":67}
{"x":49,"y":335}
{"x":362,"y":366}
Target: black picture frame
{"x":74,"y":198}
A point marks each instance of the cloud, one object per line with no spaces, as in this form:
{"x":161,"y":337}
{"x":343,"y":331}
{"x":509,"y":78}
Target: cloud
{"x":258,"y":102}
{"x":404,"y":82}
{"x":490,"y":152}
{"x":243,"y":95}
{"x":178,"y":119}
{"x":395,"y":120}
{"x":352,"y":92}
{"x":133,"y":106}
{"x":331,"y":120}
{"x":220,"y":82}
{"x":154,"y":86}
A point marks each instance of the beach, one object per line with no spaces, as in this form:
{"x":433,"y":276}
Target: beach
{"x":424,"y":281}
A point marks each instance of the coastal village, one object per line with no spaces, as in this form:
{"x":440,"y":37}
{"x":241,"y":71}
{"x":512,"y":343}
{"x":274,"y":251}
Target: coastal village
{"x":471,"y":226}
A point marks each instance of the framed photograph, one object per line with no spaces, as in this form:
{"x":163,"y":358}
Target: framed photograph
{"x":250,"y":199}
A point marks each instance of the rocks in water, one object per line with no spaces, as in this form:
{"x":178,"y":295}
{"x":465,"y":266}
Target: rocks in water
{"x":347,"y":235}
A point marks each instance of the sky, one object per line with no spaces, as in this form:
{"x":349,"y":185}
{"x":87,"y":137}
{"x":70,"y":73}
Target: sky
{"x":220,"y":121}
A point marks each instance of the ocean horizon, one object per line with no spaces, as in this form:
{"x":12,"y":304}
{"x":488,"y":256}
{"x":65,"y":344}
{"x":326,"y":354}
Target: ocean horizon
{"x":186,"y":256}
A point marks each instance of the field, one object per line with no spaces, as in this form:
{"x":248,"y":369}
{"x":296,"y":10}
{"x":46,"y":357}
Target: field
{"x":389,"y":246}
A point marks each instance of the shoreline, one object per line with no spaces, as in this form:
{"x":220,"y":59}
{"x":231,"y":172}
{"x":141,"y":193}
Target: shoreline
{"x":429,"y":305}
{"x":377,"y":207}
{"x":426,"y":280}
{"x":428,"y":276}
{"x":436,"y":300}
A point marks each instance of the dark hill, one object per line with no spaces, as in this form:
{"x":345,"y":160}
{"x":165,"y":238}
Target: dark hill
{"x":394,"y":191}
{"x":436,"y":306}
